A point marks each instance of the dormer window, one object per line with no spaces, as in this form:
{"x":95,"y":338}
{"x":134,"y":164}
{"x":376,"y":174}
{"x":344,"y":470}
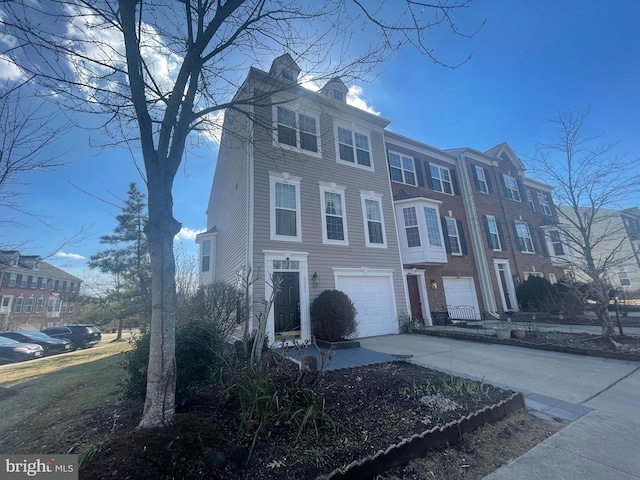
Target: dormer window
{"x":287,"y":75}
{"x":337,"y":95}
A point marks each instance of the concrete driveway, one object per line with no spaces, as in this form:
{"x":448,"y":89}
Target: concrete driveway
{"x":601,"y":398}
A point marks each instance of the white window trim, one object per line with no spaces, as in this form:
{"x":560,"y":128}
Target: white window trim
{"x":402,"y":169}
{"x":482,"y":181}
{"x":622,"y":274}
{"x":340,"y":190}
{"x":415,"y":226}
{"x":352,"y":128}
{"x":533,"y":248}
{"x":456,"y":236}
{"x":545,"y":205}
{"x":441,"y":180}
{"x":39,"y":304}
{"x":376,"y":197}
{"x":296,"y":108}
{"x":530,"y":199}
{"x":13,"y":279}
{"x":512,"y":188}
{"x":288,"y":179}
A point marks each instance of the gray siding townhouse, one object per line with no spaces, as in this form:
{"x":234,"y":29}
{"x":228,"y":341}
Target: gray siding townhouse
{"x":301,"y":194}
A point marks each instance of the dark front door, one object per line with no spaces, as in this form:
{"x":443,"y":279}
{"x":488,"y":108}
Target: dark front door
{"x":287,"y":303}
{"x":414,"y":296}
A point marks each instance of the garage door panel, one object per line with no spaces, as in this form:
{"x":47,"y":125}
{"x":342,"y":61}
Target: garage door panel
{"x":461,"y":297}
{"x":374,"y":302}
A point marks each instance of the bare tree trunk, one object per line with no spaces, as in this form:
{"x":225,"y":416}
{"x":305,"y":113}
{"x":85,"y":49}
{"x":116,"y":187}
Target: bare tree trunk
{"x":159,"y":407}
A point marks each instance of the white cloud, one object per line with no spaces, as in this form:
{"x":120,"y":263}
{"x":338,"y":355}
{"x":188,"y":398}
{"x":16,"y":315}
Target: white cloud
{"x":354,"y":99}
{"x":9,"y":70}
{"x":187,"y":234}
{"x":72,"y":256}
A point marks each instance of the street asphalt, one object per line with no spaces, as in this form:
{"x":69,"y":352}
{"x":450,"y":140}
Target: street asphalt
{"x":599,"y":396}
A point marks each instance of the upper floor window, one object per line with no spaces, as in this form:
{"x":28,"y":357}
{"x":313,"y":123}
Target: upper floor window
{"x":39,"y":305}
{"x":481,"y":179}
{"x":373,"y":219}
{"x":353,"y":147}
{"x":632,"y":226}
{"x":34,"y":282}
{"x":337,"y":95}
{"x":523,"y":237}
{"x":623,"y":278}
{"x":545,"y":206}
{"x":441,"y":178}
{"x":285,"y":207}
{"x":411,"y":226}
{"x":43,"y":286}
{"x":530,"y":199}
{"x":67,"y":286}
{"x":12,"y":279}
{"x":493,"y":233}
{"x":556,"y":242}
{"x":402,"y":168}
{"x":297,"y":130}
{"x":433,"y":230}
{"x":511,"y":189}
{"x":288,"y":75}
{"x":205,"y":260}
{"x":23,"y":281}
{"x":334,"y":224}
{"x":453,"y":236}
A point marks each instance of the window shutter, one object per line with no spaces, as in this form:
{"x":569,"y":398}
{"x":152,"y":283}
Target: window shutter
{"x":503,"y":245}
{"x":523,"y":195}
{"x":472,"y":169}
{"x":463,"y":241}
{"x":429,"y":178}
{"x":445,"y":233}
{"x":488,"y":180}
{"x":504,"y":186}
{"x":454,"y":181}
{"x":486,"y":232}
{"x":538,"y":242}
{"x":418,"y":163}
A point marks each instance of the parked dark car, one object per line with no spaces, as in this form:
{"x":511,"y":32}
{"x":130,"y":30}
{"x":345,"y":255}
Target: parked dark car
{"x":81,"y":336}
{"x":50,"y":345}
{"x":12,"y":351}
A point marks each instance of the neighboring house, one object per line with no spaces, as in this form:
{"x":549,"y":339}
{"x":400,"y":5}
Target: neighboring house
{"x":319,"y":195}
{"x":616,"y":234}
{"x":471,"y":227}
{"x":301,"y":194}
{"x":35,"y":292}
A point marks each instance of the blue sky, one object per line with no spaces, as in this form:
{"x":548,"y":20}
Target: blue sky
{"x":530,"y":62}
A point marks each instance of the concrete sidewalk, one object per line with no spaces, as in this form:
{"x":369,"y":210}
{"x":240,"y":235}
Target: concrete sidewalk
{"x":601,"y":397}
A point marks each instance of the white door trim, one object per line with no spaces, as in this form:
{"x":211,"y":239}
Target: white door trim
{"x":497,"y":263}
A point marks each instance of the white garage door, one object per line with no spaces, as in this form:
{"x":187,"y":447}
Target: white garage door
{"x":462,"y":301}
{"x":373,"y":298}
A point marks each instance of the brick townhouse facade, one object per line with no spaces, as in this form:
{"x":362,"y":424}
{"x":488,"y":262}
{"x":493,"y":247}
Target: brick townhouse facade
{"x":35,"y":292}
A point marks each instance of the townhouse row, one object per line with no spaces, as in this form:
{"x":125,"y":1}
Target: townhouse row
{"x":317,"y":194}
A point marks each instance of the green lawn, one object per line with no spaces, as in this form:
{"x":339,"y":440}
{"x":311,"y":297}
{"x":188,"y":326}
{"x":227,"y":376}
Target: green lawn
{"x":52,"y":405}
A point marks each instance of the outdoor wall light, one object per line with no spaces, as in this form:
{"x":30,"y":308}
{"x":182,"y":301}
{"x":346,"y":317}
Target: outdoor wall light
{"x":315,"y":280}
{"x":434,"y":284}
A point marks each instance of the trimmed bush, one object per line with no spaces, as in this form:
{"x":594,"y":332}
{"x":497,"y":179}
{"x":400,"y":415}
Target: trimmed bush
{"x":333,"y":316}
{"x":198,"y":359}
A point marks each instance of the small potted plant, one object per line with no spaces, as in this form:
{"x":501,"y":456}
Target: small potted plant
{"x":503,"y":329}
{"x":518,"y":331}
{"x":407,"y":322}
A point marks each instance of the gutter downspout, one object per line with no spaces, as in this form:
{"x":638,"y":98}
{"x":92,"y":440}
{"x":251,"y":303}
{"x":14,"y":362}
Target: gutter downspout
{"x":480,"y":256}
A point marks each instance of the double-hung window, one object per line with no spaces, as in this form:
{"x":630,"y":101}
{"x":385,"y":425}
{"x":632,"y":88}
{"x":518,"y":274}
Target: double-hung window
{"x":454,"y":236}
{"x":353,"y":147}
{"x":334,"y":218}
{"x":493,"y":236}
{"x":523,"y":237}
{"x":23,"y":281}
{"x":205,"y":256}
{"x":530,"y":199}
{"x":402,"y":168}
{"x":34,"y":282}
{"x":481,"y":179}
{"x":433,"y":230}
{"x":12,"y":279}
{"x":511,"y":189}
{"x":373,"y":219}
{"x":17,"y":308}
{"x":285,"y":207}
{"x":556,"y":242}
{"x":544,"y":204}
{"x":39,"y":305}
{"x":623,"y":278}
{"x":411,"y":226}
{"x":441,"y":178}
{"x":29,"y":306}
{"x":296,"y":129}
